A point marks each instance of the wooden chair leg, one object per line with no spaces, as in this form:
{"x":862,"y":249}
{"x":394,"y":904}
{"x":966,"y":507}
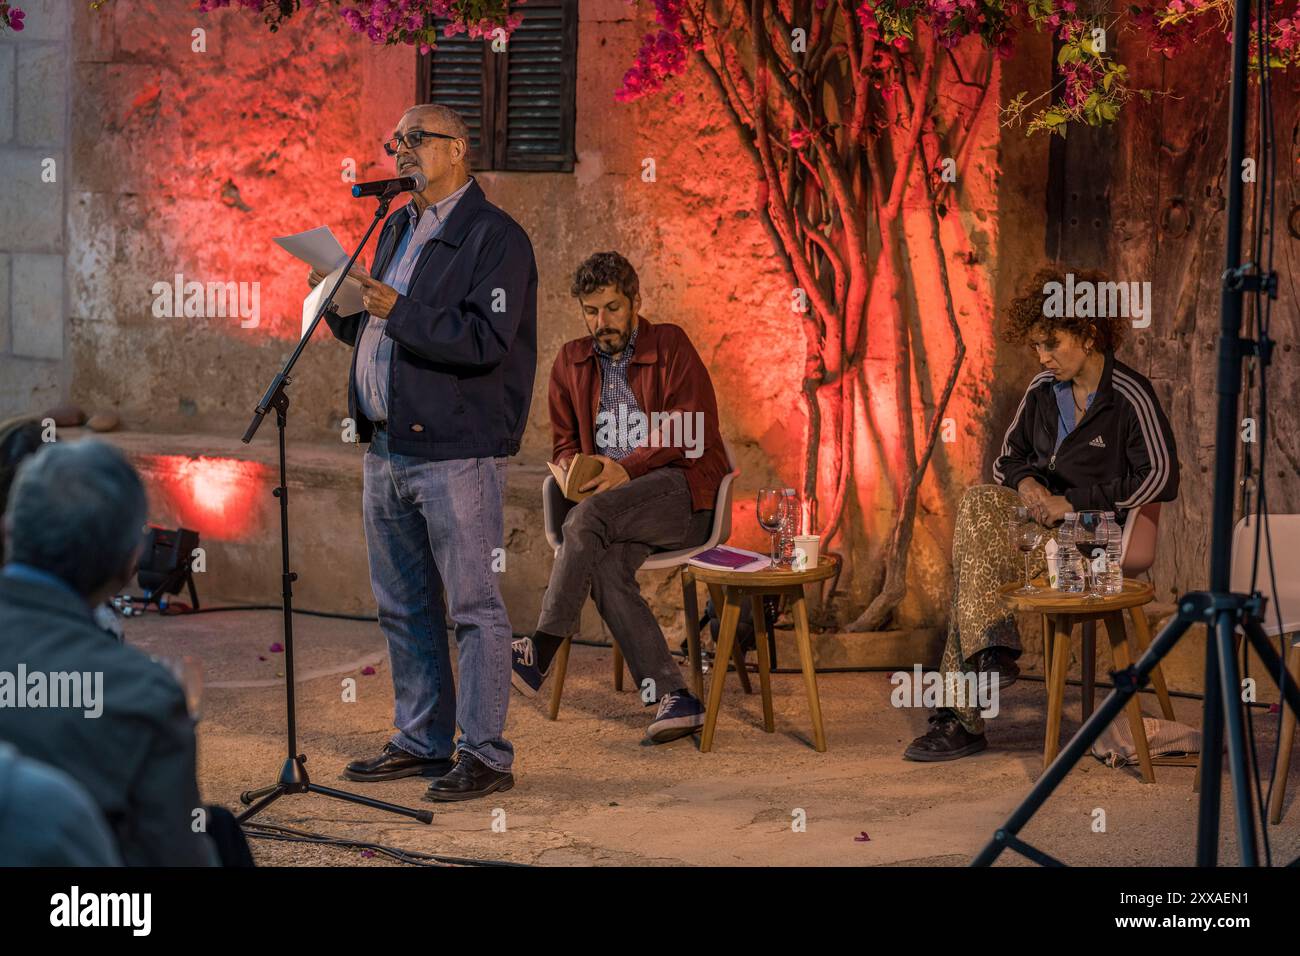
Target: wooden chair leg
{"x":1141,"y":641}
{"x":728,"y":618}
{"x":735,"y":655}
{"x":764,"y":663}
{"x":691,"y":610}
{"x":804,"y":640}
{"x":1049,"y":632}
{"x":1285,"y":741}
{"x":560,"y":665}
{"x":1119,"y":653}
{"x":618,"y":667}
{"x":738,"y":660}
{"x":1056,"y":688}
{"x":1088,"y":668}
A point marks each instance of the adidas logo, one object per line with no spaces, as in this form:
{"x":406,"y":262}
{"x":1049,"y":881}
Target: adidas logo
{"x":1097,"y":442}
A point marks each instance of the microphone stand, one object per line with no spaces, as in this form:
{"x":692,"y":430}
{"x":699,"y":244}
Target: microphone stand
{"x":293,"y":774}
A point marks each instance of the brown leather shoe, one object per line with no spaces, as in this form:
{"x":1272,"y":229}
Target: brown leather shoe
{"x":393,"y":762}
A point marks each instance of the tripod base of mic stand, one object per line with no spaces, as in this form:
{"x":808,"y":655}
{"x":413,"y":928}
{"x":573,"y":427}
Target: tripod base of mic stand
{"x":293,"y":779}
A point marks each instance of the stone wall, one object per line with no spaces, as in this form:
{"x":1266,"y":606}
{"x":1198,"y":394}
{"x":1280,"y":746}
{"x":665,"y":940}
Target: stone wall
{"x":34,"y":138}
{"x":189,"y":162}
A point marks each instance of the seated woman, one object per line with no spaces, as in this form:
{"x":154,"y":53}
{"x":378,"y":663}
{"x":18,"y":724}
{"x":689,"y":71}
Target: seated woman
{"x":1089,"y":434}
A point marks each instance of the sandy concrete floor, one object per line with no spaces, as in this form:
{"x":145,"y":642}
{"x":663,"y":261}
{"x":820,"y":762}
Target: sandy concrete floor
{"x":588,"y":792}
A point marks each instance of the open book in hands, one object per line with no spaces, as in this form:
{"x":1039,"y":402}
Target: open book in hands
{"x":582,"y":469}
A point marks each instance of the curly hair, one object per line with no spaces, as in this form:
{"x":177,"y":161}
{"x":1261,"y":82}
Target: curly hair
{"x":605,"y":268}
{"x":1028,"y":309}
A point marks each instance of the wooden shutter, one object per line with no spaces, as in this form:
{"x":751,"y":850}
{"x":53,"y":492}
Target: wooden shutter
{"x":453,"y":75}
{"x":519,"y":104}
{"x":536,"y":93}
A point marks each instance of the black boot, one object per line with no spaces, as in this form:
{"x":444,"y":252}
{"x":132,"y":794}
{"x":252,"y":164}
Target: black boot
{"x":997,"y":661}
{"x":947,"y":739}
{"x":393,"y":763}
{"x":470,"y":778}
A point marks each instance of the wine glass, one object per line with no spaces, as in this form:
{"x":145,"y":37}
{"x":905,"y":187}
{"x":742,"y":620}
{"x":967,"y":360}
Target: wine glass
{"x":1090,"y":538}
{"x":1026,"y":535}
{"x":770,"y":511}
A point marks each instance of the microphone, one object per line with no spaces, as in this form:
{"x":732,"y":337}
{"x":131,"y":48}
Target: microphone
{"x":391,"y":187}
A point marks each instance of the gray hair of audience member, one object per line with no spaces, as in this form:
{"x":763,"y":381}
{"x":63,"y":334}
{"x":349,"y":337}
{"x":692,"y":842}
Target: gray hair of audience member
{"x":76,"y":511}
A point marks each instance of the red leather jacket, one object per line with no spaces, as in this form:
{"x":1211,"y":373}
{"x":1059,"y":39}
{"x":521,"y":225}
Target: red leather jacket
{"x":666,"y":375}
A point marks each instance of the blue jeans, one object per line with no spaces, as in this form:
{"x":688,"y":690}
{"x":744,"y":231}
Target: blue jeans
{"x":430,"y":526}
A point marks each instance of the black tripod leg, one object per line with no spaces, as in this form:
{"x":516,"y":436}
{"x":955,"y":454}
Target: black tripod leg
{"x":1211,"y":770}
{"x":260,"y":805}
{"x":1110,"y":708}
{"x":424,"y":816}
{"x":1273,"y":665}
{"x":252,"y":796}
{"x":1234,"y":728}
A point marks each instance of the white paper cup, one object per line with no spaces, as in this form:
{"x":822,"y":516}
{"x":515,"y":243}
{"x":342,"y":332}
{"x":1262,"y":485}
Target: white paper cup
{"x":807,"y":552}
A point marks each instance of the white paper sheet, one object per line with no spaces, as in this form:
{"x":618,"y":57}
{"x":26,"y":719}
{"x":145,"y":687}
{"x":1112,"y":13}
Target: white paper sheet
{"x":348,"y":298}
{"x":316,"y":247}
{"x":319,"y":249}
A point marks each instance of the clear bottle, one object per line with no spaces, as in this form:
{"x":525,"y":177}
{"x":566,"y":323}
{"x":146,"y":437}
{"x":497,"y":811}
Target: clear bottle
{"x":789,"y":525}
{"x":1069,"y":575}
{"x":1112,"y":579}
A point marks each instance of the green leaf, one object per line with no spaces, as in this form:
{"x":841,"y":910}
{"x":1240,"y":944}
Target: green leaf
{"x":1069,"y":53}
{"x":1053,"y":118}
{"x":1108,"y":111}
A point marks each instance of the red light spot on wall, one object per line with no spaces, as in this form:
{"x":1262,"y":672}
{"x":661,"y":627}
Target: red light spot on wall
{"x":220,"y":498}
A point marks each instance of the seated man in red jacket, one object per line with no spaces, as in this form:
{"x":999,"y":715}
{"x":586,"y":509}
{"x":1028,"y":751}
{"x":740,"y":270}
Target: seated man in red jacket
{"x":636,"y":396}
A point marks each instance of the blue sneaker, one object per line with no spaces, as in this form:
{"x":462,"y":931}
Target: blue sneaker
{"x":525,"y":675}
{"x":680,"y":715}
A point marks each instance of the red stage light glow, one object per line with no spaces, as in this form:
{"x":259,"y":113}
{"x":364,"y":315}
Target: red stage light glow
{"x":214,"y":496}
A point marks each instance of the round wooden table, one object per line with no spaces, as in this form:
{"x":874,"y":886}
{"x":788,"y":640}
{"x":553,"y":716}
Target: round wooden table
{"x":1061,"y":611}
{"x":729,"y":589}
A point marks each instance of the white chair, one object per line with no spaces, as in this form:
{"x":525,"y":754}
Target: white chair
{"x":1284,"y":532}
{"x":554,"y":509}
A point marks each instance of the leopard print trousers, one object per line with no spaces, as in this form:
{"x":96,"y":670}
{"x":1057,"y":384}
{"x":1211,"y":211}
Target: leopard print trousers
{"x":983,"y":560}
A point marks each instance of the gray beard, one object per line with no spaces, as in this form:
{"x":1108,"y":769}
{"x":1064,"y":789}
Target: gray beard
{"x":600,"y":346}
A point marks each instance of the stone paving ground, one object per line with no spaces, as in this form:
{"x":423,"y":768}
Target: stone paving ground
{"x":589,"y":793}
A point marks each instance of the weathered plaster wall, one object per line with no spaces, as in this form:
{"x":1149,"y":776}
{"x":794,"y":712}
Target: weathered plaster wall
{"x":34,"y":243}
{"x":190,"y":162}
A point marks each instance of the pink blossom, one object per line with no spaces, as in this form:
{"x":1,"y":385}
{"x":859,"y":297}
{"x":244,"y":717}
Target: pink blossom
{"x":662,"y":55}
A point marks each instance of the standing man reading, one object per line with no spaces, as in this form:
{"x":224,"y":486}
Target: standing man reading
{"x":441,"y":380}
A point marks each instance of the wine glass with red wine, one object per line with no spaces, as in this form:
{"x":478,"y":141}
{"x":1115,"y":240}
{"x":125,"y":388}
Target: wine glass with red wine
{"x":1026,"y":535}
{"x":1090,"y":538}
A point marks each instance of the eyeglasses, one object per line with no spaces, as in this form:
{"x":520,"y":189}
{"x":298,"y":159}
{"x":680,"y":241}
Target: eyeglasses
{"x":413,"y":140}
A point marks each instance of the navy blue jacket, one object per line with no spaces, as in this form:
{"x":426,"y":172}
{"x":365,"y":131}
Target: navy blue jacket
{"x":464,"y":337}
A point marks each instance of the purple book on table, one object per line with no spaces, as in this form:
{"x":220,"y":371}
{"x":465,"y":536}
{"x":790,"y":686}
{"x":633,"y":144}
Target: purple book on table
{"x":730,"y":559}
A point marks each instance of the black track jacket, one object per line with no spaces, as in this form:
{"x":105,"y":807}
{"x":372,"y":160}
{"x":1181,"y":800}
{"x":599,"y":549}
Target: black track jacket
{"x":1120,"y":456}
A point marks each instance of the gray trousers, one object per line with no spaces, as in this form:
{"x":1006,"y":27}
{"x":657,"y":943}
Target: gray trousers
{"x":604,"y":540}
